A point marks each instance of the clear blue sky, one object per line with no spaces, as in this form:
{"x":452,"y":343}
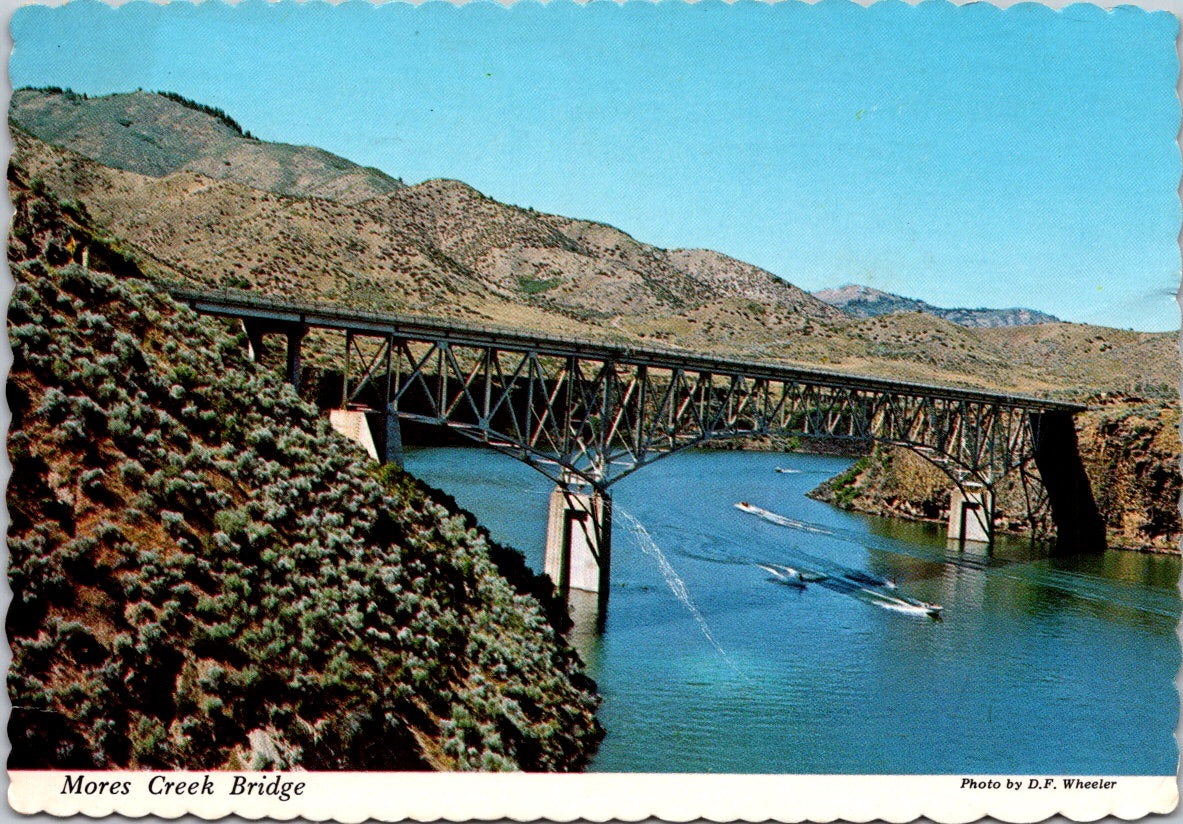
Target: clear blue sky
{"x":965,"y":155}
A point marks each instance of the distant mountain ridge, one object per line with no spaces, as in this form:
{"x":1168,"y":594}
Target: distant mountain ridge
{"x":156,"y":134}
{"x":866,"y":302}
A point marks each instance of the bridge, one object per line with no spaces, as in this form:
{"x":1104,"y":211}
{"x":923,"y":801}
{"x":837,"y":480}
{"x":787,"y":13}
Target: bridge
{"x":587,"y":413}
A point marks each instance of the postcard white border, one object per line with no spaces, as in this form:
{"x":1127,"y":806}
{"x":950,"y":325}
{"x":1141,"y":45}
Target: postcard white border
{"x":351,"y":797}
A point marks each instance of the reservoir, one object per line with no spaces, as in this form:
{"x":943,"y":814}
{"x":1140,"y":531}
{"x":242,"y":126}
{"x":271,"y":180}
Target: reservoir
{"x":711,"y":661}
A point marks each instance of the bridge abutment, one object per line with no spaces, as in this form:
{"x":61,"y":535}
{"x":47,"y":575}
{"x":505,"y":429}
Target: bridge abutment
{"x":353,"y":425}
{"x":579,"y":543}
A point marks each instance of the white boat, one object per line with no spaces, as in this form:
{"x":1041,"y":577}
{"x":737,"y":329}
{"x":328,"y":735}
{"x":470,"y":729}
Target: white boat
{"x":784,"y":575}
{"x":786,"y":471}
{"x":907,"y":605}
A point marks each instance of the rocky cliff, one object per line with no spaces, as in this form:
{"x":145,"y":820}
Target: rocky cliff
{"x":1130,"y":449}
{"x":1131,"y":452}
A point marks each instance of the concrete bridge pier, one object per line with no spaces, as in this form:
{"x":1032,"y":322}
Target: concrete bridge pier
{"x":294,"y":332}
{"x":579,"y":544}
{"x":254,"y":337}
{"x":295,"y":335}
{"x":378,"y":433}
{"x":971,"y":514}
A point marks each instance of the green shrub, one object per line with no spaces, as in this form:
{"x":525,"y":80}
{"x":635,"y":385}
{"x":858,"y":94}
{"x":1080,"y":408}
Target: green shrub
{"x":256,"y":574}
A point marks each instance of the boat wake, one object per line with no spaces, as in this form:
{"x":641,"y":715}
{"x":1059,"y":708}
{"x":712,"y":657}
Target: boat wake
{"x":672,"y":579}
{"x":782,"y":520}
{"x":872,"y":589}
{"x":884,"y":595}
{"x":1103,"y":592}
{"x":909,"y":607}
{"x":789,"y":576}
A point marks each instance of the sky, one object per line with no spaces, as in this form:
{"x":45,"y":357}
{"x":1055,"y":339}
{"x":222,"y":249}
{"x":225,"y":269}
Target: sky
{"x":968,"y":156}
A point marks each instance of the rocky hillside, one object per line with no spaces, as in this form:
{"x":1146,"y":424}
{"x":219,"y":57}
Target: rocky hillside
{"x":442,"y":248}
{"x":1130,"y":448}
{"x":584,"y":269}
{"x":157,"y":134}
{"x":205,"y":576}
{"x":865,"y":302}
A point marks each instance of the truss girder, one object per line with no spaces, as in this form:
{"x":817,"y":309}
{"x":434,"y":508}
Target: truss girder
{"x":602,"y":418}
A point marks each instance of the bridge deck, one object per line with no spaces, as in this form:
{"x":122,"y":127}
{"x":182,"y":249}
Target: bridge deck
{"x":244,"y":305}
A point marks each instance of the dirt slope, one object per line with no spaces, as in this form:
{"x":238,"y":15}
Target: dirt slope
{"x":442,"y":248}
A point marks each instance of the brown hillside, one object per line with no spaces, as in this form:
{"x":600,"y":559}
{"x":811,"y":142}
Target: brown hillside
{"x":588,"y":269}
{"x":154,"y":135}
{"x":219,"y":232}
{"x":725,"y":276}
{"x":443,"y":248}
{"x":1081,"y":356}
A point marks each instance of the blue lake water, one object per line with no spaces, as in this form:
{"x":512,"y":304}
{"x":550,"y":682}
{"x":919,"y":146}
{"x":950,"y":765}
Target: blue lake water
{"x":1038,"y":665}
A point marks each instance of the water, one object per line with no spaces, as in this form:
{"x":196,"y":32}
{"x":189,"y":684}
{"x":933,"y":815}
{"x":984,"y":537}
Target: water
{"x":715,"y":659}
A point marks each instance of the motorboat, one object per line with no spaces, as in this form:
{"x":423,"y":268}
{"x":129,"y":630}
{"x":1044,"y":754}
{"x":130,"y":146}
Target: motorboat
{"x":784,"y":575}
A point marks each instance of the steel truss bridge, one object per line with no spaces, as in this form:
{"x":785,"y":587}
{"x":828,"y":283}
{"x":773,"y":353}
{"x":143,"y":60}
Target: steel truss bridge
{"x":589,"y":413}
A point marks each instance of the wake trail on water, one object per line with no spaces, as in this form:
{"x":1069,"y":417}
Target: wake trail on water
{"x":672,"y":579}
{"x":869,"y":589}
{"x":793,"y":523}
{"x":863,"y":586}
{"x":1081,"y":585}
{"x":897,"y":605}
